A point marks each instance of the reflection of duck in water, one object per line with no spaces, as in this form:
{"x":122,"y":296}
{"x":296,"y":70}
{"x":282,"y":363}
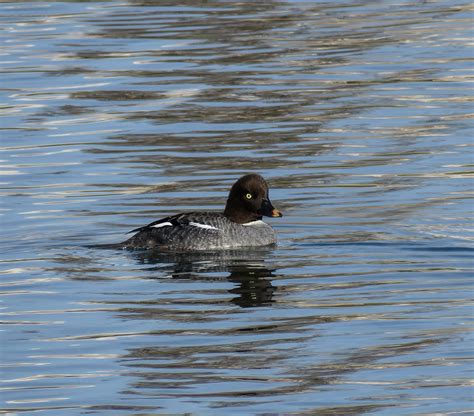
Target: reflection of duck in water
{"x":255,"y":286}
{"x":240,"y":225}
{"x":246,"y":268}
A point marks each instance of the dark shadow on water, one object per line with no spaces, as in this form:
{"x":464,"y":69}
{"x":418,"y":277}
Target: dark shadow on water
{"x":246,"y":268}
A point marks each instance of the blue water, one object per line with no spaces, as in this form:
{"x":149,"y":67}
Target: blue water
{"x":359,"y":115}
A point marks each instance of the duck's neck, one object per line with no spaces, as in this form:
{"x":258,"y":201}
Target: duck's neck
{"x":235,"y":212}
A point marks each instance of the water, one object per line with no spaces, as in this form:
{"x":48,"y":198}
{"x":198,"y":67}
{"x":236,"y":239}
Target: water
{"x":359,"y":115}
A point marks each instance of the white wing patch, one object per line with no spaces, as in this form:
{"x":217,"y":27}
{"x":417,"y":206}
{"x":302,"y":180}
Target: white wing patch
{"x":254,"y":223}
{"x":205,"y":226}
{"x":162,"y":224}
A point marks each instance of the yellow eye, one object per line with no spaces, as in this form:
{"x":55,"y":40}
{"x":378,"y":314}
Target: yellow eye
{"x":248,"y":196}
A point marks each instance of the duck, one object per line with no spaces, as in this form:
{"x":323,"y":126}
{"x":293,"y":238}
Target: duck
{"x":240,"y":225}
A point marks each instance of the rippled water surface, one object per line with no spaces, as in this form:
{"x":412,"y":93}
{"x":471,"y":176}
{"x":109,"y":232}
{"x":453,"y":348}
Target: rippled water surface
{"x":358,"y":113}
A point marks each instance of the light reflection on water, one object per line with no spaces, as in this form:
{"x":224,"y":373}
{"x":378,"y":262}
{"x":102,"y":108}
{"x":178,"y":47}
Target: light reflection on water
{"x":358,"y":114}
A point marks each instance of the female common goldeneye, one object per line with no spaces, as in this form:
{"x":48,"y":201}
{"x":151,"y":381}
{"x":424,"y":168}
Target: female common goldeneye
{"x":240,"y":225}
